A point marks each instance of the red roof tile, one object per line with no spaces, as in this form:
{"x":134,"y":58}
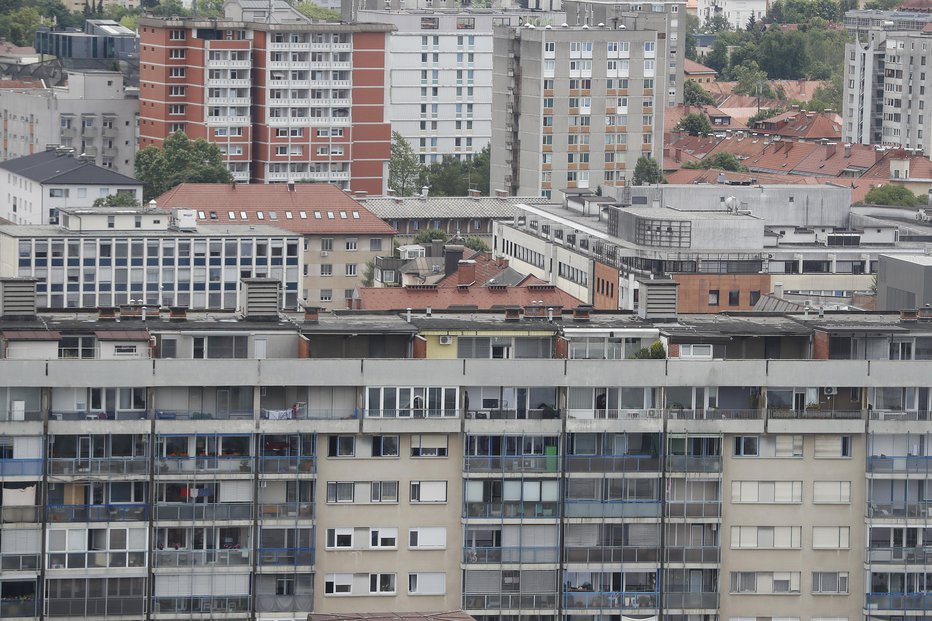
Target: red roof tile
{"x":833,"y":160}
{"x":309,"y":209}
{"x":687,"y":175}
{"x":801,"y":125}
{"x":691,"y":67}
{"x":27,"y":83}
{"x":487,"y":268}
{"x":780,"y":157}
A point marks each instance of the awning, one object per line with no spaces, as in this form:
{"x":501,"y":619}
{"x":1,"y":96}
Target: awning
{"x":122,"y":335}
{"x":31,"y":335}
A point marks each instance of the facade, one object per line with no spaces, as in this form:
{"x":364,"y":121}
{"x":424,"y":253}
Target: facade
{"x":885,"y":82}
{"x":100,"y":39}
{"x":284,"y":98}
{"x":340,"y":236}
{"x":38,"y":186}
{"x":575,"y":107}
{"x":107,"y":257}
{"x":94,"y":113}
{"x":738,"y":12}
{"x":316,"y":465}
{"x":904,"y":282}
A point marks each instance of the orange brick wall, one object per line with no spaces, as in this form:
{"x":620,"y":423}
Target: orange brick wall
{"x":693,"y":292}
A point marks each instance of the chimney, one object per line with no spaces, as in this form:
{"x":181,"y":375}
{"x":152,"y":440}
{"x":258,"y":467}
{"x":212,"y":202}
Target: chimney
{"x":130,"y":311}
{"x":778,"y":290}
{"x":512,"y":313}
{"x":678,"y":154}
{"x":452,"y":254}
{"x":830,"y":149}
{"x":925,"y":313}
{"x":17,"y":298}
{"x":389,"y":192}
{"x":535,"y":311}
{"x":436,"y":248}
{"x":178,"y":313}
{"x":260,"y":298}
{"x":657,"y":298}
{"x":106,"y":313}
{"x":466,"y":270}
{"x":311,"y":314}
{"x":581,"y":312}
{"x":909,"y":315}
{"x":501,"y":193}
{"x":473,"y":193}
{"x":847,"y":149}
{"x":291,"y":187}
{"x":666,"y":150}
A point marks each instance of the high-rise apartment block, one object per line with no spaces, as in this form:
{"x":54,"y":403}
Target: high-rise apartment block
{"x":93,"y":113}
{"x":284,"y":97}
{"x":887,"y":72}
{"x":519,"y":463}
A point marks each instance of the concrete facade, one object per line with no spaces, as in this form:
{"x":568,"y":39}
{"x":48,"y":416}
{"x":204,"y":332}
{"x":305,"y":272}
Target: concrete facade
{"x":904,"y":282}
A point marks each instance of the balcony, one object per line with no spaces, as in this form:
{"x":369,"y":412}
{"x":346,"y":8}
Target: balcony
{"x":815,"y":414}
{"x":21,"y":467}
{"x":611,"y":554}
{"x":515,"y":554}
{"x":201,"y":605}
{"x":95,"y":606}
{"x":680,"y":414}
{"x":610,"y":414}
{"x":228,"y":82}
{"x":409,"y":413}
{"x":693,"y":509}
{"x":231,"y":557}
{"x":110,"y":132}
{"x":285,"y":556}
{"x":898,"y":601}
{"x":228,"y":120}
{"x":694,"y":463}
{"x":902,"y":509}
{"x":25,"y":607}
{"x":286,"y":465}
{"x":97,"y":513}
{"x":690,"y":600}
{"x":900,"y":415}
{"x":692,"y":554}
{"x":284,"y":510}
{"x":21,"y":515}
{"x":200,"y":465}
{"x":900,"y":464}
{"x":84,"y":416}
{"x":612,"y":463}
{"x":523,"y":463}
{"x":503,"y":414}
{"x":98,"y":467}
{"x":284,"y":603}
{"x":196,"y":415}
{"x":899,"y":556}
{"x":96,"y":560}
{"x":18,"y":417}
{"x":171,"y":512}
{"x":288,"y":45}
{"x":510,"y":601}
{"x":612,"y":508}
{"x":19,"y":562}
{"x":512,"y":509}
{"x":609,"y":599}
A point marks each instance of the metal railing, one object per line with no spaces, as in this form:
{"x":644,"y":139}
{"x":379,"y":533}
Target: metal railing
{"x":693,"y":509}
{"x":910,"y":415}
{"x":690,"y":600}
{"x":96,"y":559}
{"x":24,"y":514}
{"x":899,"y":463}
{"x":284,"y":603}
{"x":19,"y":562}
{"x":285,"y":556}
{"x":614,"y":414}
{"x":196,"y":415}
{"x":284,"y":510}
{"x":286,"y":465}
{"x":201,"y":604}
{"x":609,"y":599}
{"x":18,"y":608}
{"x":611,"y":554}
{"x":513,"y":463}
{"x":509,"y":414}
{"x":612,"y":508}
{"x":693,"y":463}
{"x":515,"y":554}
{"x":21,"y":467}
{"x":94,"y":606}
{"x":220,"y":511}
{"x":692,"y":554}
{"x":612,"y":463}
{"x":513,"y":509}
{"x":27,"y":416}
{"x":715,"y":414}
{"x":205,"y":463}
{"x":816,"y":414}
{"x":97,"y":513}
{"x":900,"y":555}
{"x":510,"y":601}
{"x":198,"y":558}
{"x":898,"y":601}
{"x":98,"y":466}
{"x":99,"y":415}
{"x":412,"y":413}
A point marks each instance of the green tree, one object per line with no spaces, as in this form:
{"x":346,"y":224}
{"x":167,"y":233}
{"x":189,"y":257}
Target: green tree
{"x":452,"y":176}
{"x":828,"y":96}
{"x":20,"y":24}
{"x":694,"y":124}
{"x":476,"y":243}
{"x":120,"y":199}
{"x":315,"y":11}
{"x":647,"y":171}
{"x":718,"y":161}
{"x":752,"y":81}
{"x":428,"y":235}
{"x":766,"y":113}
{"x":716,"y":23}
{"x":404,"y":170}
{"x":891,"y":194}
{"x":692,"y":27}
{"x":180,"y":160}
{"x":169,"y":8}
{"x":655,"y":351}
{"x":367,"y":279}
{"x":695,"y":95}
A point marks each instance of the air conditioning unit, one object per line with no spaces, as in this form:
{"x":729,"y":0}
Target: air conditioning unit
{"x":446,"y":340}
{"x":324,"y":253}
{"x":830,"y":390}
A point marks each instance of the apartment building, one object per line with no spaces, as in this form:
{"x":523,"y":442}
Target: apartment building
{"x":39,"y":186}
{"x":885,"y":82}
{"x":576,"y":106}
{"x":770,"y":466}
{"x":284,"y":98}
{"x":106,"y":257}
{"x":94,"y":113}
{"x":341,"y":238}
{"x":99,"y":39}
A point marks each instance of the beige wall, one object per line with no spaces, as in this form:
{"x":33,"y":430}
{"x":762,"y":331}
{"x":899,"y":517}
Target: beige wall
{"x":338,"y":258}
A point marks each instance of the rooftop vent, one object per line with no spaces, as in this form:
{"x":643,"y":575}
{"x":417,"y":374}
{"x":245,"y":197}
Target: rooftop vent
{"x":17,"y":298}
{"x":261,"y":298}
{"x":657,"y":299}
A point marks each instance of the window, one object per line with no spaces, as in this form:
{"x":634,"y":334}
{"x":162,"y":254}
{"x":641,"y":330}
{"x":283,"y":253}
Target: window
{"x":383,"y":538}
{"x":830,"y":537}
{"x":177,"y":91}
{"x":375,"y":243}
{"x":351,"y":243}
{"x":427,"y":538}
{"x":382,"y":584}
{"x":832,"y":447}
{"x":384,"y":491}
{"x":829,"y":582}
{"x":765,"y":582}
{"x":427,"y":583}
{"x":734,"y":298}
{"x":429,"y":445}
{"x":341,"y":446}
{"x":831,"y":492}
{"x":385,"y":446}
{"x":703,"y":352}
{"x":428,"y":491}
{"x":746,"y":446}
{"x":177,"y":72}
{"x":338,"y":584}
{"x":765,"y":537}
{"x":326,"y":269}
{"x":339,"y":538}
{"x":713,"y":297}
{"x":326,"y":295}
{"x":176,"y":35}
{"x":340,"y":491}
{"x":767,"y":492}
{"x":326,"y":243}
{"x":350,"y":269}
{"x":176,"y":54}
{"x":58,"y":193}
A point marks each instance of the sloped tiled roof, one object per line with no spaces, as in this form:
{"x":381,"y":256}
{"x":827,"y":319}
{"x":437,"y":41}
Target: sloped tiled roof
{"x":487,"y":268}
{"x":309,"y":208}
{"x":802,"y":125}
{"x":687,"y":175}
{"x":780,"y":157}
{"x":54,"y":167}
{"x":691,"y":67}
{"x":389,"y":207}
{"x":832,"y":161}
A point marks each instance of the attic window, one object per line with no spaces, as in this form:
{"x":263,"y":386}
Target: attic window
{"x":317,"y":215}
{"x":330,"y":215}
{"x":273,"y":215}
{"x":213,"y":215}
{"x":342,"y":215}
{"x":232,"y":215}
{"x":303,"y":215}
{"x":201,"y":215}
{"x":287,"y":215}
{"x":356,"y":215}
{"x":260,"y":215}
{"x":243,"y":216}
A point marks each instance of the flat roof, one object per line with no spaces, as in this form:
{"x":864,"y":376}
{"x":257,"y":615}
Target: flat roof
{"x":203,"y":230}
{"x":918,"y":259}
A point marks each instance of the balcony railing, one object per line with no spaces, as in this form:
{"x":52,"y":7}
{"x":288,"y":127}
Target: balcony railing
{"x":898,"y":555}
{"x":224,"y":511}
{"x":195,"y":465}
{"x":614,"y":414}
{"x":898,"y":601}
{"x":97,"y":513}
{"x":199,"y":558}
{"x":96,"y":560}
{"x":513,"y":463}
{"x":919,"y":510}
{"x":304,"y":413}
{"x":27,"y":416}
{"x":513,"y":509}
{"x":95,"y":606}
{"x":899,"y":463}
{"x":112,"y":415}
{"x":21,"y":467}
{"x":25,"y":514}
{"x":690,"y":600}
{"x":411,"y":413}
{"x":609,"y":599}
{"x":25,"y":607}
{"x":516,"y":554}
{"x":285,"y":556}
{"x":284,"y":603}
{"x":612,"y":463}
{"x":612,"y":508}
{"x":98,"y":466}
{"x":716,"y":414}
{"x":196,"y":415}
{"x":510,"y":601}
{"x":19,"y":562}
{"x":693,"y":463}
{"x":693,"y":554}
{"x":200,"y":605}
{"x":611,"y":554}
{"x":286,"y":465}
{"x":900,"y":415}
{"x":500,"y":414}
{"x":816,"y":414}
{"x":285,"y":510}
{"x":693,"y":509}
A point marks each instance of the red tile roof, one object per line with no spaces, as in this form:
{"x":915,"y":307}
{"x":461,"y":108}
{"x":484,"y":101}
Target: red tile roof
{"x":780,"y":157}
{"x":920,"y":167}
{"x":27,"y":83}
{"x":687,"y":175}
{"x":487,"y":268}
{"x":833,"y":160}
{"x":691,"y":67}
{"x":801,"y":125}
{"x":309,"y":209}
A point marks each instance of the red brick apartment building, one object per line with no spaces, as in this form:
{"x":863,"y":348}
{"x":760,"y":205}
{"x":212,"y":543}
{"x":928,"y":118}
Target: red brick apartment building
{"x":285,"y":100}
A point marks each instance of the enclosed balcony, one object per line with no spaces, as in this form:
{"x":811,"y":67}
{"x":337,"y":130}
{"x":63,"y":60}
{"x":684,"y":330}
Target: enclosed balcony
{"x":613,"y":452}
{"x":201,"y":604}
{"x":511,"y":403}
{"x":286,"y":500}
{"x":690,"y":588}
{"x":308,"y":402}
{"x":202,"y":546}
{"x":611,"y":543}
{"x":690,"y":453}
{"x":200,"y":454}
{"x":613,"y":497}
{"x":287,"y":546}
{"x":73,"y":404}
{"x":900,"y":453}
{"x":899,"y":498}
{"x":18,"y":598}
{"x":610,"y":590}
{"x":205,"y":402}
{"x":512,"y":453}
{"x":287,"y":454}
{"x":115,"y":546}
{"x":95,"y":597}
{"x":221,"y":500}
{"x":98,"y":455}
{"x":284,"y":592}
{"x":512,"y":499}
{"x":408,"y":402}
{"x":20,"y":404}
{"x":511,"y":543}
{"x":612,"y":403}
{"x":693,"y":498}
{"x":20,"y":456}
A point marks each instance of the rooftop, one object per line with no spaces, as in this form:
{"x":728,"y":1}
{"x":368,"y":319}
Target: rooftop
{"x":207,"y":230}
{"x":59,"y":166}
{"x":389,"y":207}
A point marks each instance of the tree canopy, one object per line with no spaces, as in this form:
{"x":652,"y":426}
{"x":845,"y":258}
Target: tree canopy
{"x":455,"y":177}
{"x":892,"y":194}
{"x":180,"y":160}
{"x":405,"y":172}
{"x":315,"y":11}
{"x":694,"y":124}
{"x":647,"y":171}
{"x":120,"y":199}
{"x":695,"y":95}
{"x":718,"y":161}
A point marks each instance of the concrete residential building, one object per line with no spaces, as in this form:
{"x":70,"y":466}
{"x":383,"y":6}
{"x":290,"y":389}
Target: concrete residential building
{"x":284,"y":97}
{"x":105,"y":257}
{"x":340,"y":236}
{"x":266,"y":466}
{"x":38,"y":186}
{"x":576,"y":107}
{"x":737,"y":12}
{"x":100,"y":39}
{"x":94,"y":113}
